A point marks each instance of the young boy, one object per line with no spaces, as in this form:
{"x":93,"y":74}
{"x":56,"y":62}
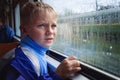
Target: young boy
{"x":38,"y":30}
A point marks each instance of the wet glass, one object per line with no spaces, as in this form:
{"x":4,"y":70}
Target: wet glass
{"x":89,"y":30}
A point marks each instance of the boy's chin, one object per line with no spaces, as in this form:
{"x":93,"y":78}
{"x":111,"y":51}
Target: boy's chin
{"x":48,"y":45}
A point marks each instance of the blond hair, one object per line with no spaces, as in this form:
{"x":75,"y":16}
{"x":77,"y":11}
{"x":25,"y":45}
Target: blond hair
{"x":31,"y":9}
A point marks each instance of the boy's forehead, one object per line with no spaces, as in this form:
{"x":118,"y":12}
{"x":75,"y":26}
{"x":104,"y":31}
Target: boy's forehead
{"x":47,"y":11}
{"x":44,"y":17}
{"x":43,"y":14}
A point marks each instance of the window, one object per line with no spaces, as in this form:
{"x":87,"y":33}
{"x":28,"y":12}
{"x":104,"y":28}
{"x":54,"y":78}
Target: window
{"x":95,"y":43}
{"x":17,"y":20}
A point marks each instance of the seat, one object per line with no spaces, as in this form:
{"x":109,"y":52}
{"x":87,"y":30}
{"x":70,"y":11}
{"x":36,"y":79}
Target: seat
{"x":5,"y":47}
{"x":6,"y":52}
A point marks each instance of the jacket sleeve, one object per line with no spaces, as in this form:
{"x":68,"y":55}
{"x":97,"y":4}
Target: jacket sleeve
{"x":9,"y":73}
{"x":51,"y":76}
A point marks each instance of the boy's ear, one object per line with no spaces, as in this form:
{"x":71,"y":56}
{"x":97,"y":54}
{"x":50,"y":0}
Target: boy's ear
{"x":23,"y":30}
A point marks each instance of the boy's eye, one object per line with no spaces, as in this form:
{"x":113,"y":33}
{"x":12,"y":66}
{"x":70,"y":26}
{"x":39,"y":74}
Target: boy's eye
{"x":54,"y":26}
{"x":44,"y":26}
{"x":41,"y":25}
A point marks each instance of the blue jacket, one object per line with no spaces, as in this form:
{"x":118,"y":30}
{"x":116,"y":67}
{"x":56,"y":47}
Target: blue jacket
{"x":6,"y":34}
{"x":22,"y":68}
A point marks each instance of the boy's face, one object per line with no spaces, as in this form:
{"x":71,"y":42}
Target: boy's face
{"x":43,"y":30}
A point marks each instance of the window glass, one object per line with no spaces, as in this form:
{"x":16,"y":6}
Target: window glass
{"x":90,"y":30}
{"x":17,"y":20}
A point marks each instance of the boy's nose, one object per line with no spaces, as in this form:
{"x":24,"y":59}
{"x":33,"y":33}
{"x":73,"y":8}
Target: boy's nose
{"x":49,"y":30}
